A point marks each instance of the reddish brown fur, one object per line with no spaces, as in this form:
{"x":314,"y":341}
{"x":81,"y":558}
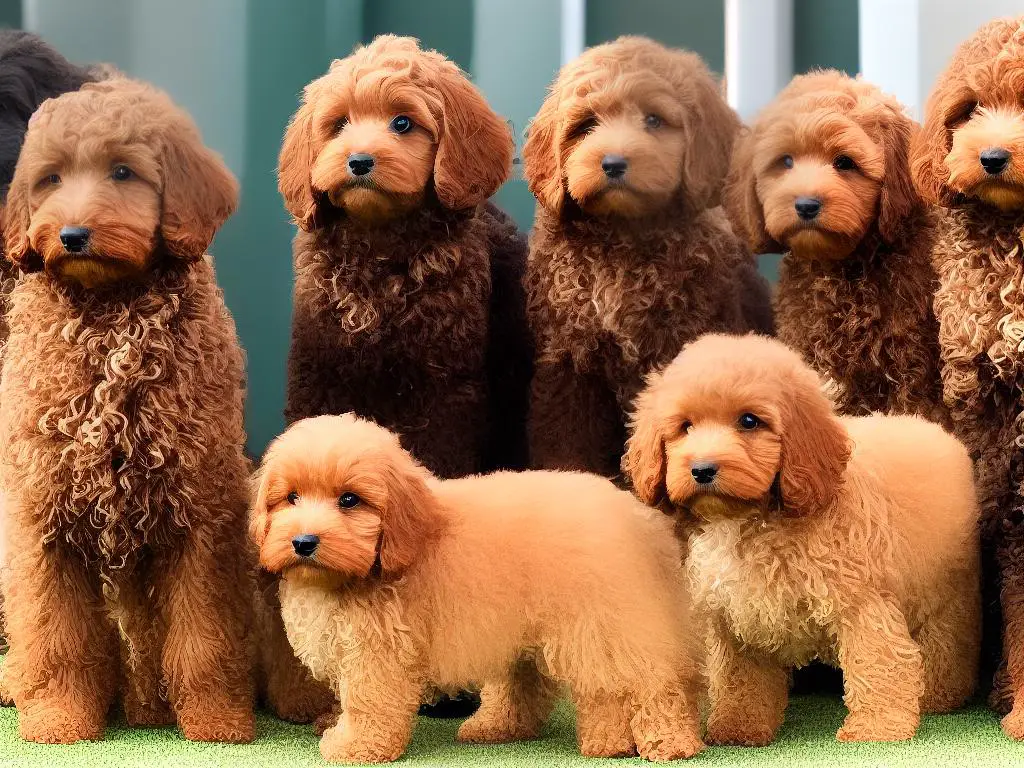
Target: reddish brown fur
{"x":978,"y":103}
{"x":121,"y":418}
{"x":408,"y":304}
{"x":856,"y":285}
{"x":621,"y":275}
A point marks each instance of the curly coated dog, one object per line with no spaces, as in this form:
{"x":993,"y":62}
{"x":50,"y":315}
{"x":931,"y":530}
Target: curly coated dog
{"x":969,"y":160}
{"x":850,"y":540}
{"x":630,"y":257}
{"x":394,"y":579}
{"x":823,"y":175}
{"x":408,"y":306}
{"x":121,"y":427}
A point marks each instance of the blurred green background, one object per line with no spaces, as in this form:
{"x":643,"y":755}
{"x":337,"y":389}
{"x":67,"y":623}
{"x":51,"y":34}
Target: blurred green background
{"x":240,"y":65}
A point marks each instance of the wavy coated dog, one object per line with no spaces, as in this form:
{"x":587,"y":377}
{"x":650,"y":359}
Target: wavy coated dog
{"x":121,"y":423}
{"x":519,"y":582}
{"x":823,"y":175}
{"x":852,"y":540}
{"x":409,"y":306}
{"x":970,"y":161}
{"x":629,"y":257}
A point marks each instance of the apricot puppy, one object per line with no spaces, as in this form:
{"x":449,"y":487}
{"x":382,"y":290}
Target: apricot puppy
{"x":518,"y":582}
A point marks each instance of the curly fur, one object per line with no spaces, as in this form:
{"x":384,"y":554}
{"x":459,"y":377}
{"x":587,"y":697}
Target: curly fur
{"x":976,"y":104}
{"x":855,"y":299}
{"x":518,"y":582}
{"x":408,"y":298}
{"x":852,"y":540}
{"x":621,"y":275}
{"x":121,"y":417}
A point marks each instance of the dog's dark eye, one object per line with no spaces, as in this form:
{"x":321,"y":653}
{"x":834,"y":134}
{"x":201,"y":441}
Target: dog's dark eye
{"x":687,"y":426}
{"x":293,"y":498}
{"x":348,"y":500}
{"x":401,"y":124}
{"x":844,"y":163}
{"x":339,"y":124}
{"x":787,"y":161}
{"x":749,"y":421}
{"x":962,"y":115}
{"x":122,"y":173}
{"x":583,"y":127}
{"x":652,"y":121}
{"x":53,"y":178}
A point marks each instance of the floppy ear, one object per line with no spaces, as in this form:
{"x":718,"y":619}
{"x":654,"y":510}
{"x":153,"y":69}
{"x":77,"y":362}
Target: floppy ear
{"x":739,"y":197}
{"x":711,"y":128}
{"x":295,"y":163}
{"x":405,"y":523}
{"x":474,"y":151}
{"x":542,"y":162}
{"x":932,"y":143}
{"x":898,"y":198}
{"x":644,"y":460}
{"x":815,"y":450}
{"x":199,"y":192}
{"x":259,"y":514}
{"x":16,"y":218}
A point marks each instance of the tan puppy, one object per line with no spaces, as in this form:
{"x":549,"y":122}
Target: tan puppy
{"x":849,"y":540}
{"x":393,"y":579}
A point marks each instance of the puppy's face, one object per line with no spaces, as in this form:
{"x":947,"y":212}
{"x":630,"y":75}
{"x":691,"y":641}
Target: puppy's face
{"x":629,"y":130}
{"x":337,"y":499}
{"x":986,"y":154}
{"x":384,"y":131}
{"x":110,"y":180}
{"x":819,"y":179}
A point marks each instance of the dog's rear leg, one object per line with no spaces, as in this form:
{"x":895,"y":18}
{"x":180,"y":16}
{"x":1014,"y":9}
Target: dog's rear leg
{"x":666,"y":722}
{"x":1012,"y":599}
{"x":62,"y":663}
{"x":514,"y":709}
{"x":208,"y":597}
{"x":603,"y":724}
{"x":142,"y":639}
{"x":950,"y":646}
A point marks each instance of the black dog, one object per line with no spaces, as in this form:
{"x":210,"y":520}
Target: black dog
{"x":30,"y":73}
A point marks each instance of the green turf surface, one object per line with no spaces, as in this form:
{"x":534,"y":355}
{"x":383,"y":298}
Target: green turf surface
{"x":969,"y":739}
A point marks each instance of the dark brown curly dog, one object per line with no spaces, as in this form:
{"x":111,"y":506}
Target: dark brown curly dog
{"x":969,"y":159}
{"x":121,"y":423}
{"x":408,"y":301}
{"x":823,"y":174}
{"x":629,"y":257}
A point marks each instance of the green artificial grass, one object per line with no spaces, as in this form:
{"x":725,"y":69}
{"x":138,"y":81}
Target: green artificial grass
{"x":968,"y":739}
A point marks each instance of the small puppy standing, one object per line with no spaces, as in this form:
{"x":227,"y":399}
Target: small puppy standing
{"x":969,"y":159}
{"x":121,"y":427}
{"x":393,"y":579}
{"x":849,"y":540}
{"x":409,"y":306}
{"x":630,"y":257}
{"x":823,"y":174}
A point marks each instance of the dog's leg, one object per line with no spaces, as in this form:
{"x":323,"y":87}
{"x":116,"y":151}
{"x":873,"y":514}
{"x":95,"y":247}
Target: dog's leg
{"x":882,"y":670}
{"x":575,"y":422}
{"x":62,"y":663}
{"x":379,"y":710}
{"x":748,"y":694}
{"x":950,"y":643}
{"x":603,"y":725}
{"x":288,"y":687}
{"x":514,"y":709}
{"x":666,"y":723}
{"x":1012,"y":598}
{"x":207,"y":594}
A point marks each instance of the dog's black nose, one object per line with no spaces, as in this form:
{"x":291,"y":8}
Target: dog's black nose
{"x":994,"y":160}
{"x":807,"y":208}
{"x":703,"y":471}
{"x":614,"y":166}
{"x":74,"y":239}
{"x":360,"y":164}
{"x":306,"y":544}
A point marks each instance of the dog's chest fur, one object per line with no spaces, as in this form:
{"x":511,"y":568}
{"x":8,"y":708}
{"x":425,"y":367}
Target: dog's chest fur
{"x":746,"y":575}
{"x":116,"y":410}
{"x":627,"y":300}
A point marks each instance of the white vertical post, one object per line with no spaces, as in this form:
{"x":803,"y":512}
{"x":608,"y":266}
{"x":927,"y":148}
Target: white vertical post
{"x":890,"y":49}
{"x":574,"y":24}
{"x":758,"y":52}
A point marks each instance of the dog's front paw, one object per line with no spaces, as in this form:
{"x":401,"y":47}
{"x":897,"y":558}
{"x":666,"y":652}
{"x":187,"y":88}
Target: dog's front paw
{"x":236,"y":725}
{"x":739,"y":731}
{"x":337,"y":746}
{"x":675,"y":746}
{"x":56,"y":724}
{"x":484,"y":728}
{"x":1013,"y":724}
{"x":885,"y":727}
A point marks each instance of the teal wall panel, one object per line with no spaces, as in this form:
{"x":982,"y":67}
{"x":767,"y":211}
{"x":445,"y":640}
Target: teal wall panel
{"x":825,"y":34}
{"x":445,"y":25}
